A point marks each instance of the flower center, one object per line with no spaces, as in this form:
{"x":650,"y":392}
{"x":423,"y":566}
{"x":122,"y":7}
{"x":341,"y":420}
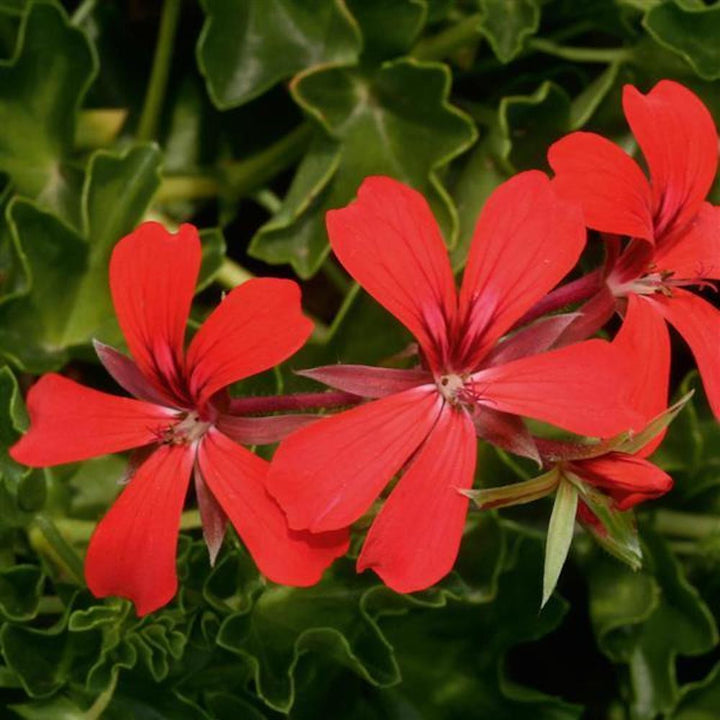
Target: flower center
{"x":451,"y":387}
{"x":190,"y":429}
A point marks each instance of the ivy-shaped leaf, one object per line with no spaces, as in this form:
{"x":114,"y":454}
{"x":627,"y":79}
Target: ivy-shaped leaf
{"x":330,"y":618}
{"x":41,"y":89}
{"x":467,"y":678}
{"x":701,"y":700}
{"x":13,"y":421}
{"x":45,"y":659}
{"x":68,"y":302}
{"x":246,"y":46}
{"x":395,"y":121}
{"x":691,"y":31}
{"x":632,"y":613}
{"x":507,"y":23}
{"x":20,"y":590}
{"x":389,"y":27}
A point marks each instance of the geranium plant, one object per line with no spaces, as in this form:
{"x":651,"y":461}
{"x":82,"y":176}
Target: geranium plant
{"x":340,"y":375}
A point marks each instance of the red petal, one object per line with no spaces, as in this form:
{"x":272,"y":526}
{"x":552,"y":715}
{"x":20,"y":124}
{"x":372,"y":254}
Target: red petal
{"x":132,"y":551}
{"x":327,"y":475}
{"x":212,"y":516}
{"x":530,"y":340}
{"x":699,"y":324}
{"x":626,"y":478}
{"x":582,"y":388}
{"x":606,"y":182}
{"x":389,"y":242}
{"x":678,"y":138}
{"x":257,"y":326}
{"x":415,"y":538}
{"x":508,"y":432}
{"x":589,"y":317}
{"x":128,"y":376}
{"x":70,"y":422}
{"x":152,"y":279}
{"x":526,"y":240}
{"x":261,"y":430}
{"x":694,"y":252}
{"x":367,"y":381}
{"x":644,"y":340}
{"x":236,"y":478}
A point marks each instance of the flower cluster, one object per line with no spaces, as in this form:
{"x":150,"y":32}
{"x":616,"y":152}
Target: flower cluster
{"x":489,"y":357}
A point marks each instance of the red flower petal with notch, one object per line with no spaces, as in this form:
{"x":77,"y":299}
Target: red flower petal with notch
{"x":674,"y":234}
{"x":328,"y":474}
{"x":630,"y":478}
{"x":175,"y":421}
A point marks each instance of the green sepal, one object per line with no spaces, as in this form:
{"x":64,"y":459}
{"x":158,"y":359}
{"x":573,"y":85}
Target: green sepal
{"x":517,"y":493}
{"x":559,"y":535}
{"x":618,"y":534}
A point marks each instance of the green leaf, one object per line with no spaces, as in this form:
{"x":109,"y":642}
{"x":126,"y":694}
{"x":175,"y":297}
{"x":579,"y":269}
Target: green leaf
{"x":246,"y":46}
{"x":700,"y":701}
{"x":20,"y":590}
{"x":469,"y":678}
{"x":68,"y":302}
{"x":213,"y":254}
{"x":529,"y":124}
{"x":584,"y":105}
{"x":633,"y":613}
{"x":41,"y":89}
{"x":330,"y":618}
{"x":691,"y":31}
{"x":388,"y":27}
{"x":116,"y":192}
{"x":13,"y":421}
{"x":391,"y":121}
{"x":480,"y":175}
{"x":559,"y":535}
{"x":44,"y":659}
{"x":32,"y":327}
{"x":507,"y":23}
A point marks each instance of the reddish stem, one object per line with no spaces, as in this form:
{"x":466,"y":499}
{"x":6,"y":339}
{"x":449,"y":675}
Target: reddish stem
{"x":299,"y":401}
{"x":573,"y":292}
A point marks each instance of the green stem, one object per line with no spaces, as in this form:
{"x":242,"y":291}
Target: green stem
{"x":187,"y":187}
{"x":688,"y":525}
{"x":82,"y":11}
{"x":51,"y":605}
{"x":268,"y":200}
{"x":48,"y":541}
{"x":579,"y":54}
{"x":446,"y":42}
{"x":96,"y":710}
{"x":246,"y":176}
{"x":155,"y":94}
{"x":232,"y":274}
{"x":79,"y":531}
{"x":338,"y":279}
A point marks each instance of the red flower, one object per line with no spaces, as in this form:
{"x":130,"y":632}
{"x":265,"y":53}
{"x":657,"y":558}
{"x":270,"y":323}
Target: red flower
{"x":629,"y":478}
{"x":675,"y":234}
{"x":328,"y":474}
{"x":178,"y":422}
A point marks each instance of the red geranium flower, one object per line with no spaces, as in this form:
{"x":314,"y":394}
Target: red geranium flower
{"x":178,"y":421}
{"x":328,"y":474}
{"x":674,"y":234}
{"x":628,"y":477}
